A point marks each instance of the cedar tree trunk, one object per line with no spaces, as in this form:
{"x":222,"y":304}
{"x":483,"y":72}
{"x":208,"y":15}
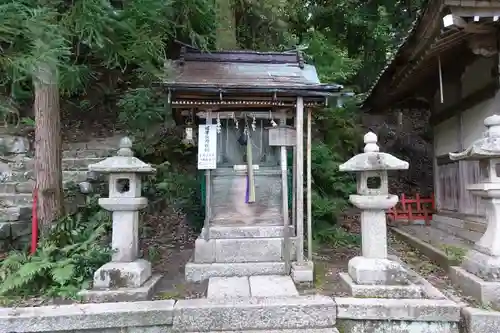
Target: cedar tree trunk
{"x":48,"y":146}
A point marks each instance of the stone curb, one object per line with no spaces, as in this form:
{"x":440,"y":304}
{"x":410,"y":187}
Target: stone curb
{"x":254,"y":313}
{"x":202,"y":315}
{"x":86,"y":316}
{"x":436,"y":255}
{"x":397,"y":309}
{"x":480,"y":321}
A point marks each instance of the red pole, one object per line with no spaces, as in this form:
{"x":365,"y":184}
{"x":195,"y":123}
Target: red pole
{"x":34,"y":222}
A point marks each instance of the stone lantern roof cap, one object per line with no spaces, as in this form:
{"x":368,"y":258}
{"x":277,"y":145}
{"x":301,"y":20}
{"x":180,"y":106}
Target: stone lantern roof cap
{"x":486,"y":147}
{"x":372,"y":159}
{"x":124,"y":162}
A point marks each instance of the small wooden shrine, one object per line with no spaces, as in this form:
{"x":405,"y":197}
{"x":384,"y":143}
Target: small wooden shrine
{"x":245,"y":111}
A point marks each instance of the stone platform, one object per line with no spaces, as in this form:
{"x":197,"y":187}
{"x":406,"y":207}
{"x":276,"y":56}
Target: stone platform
{"x":227,"y":251}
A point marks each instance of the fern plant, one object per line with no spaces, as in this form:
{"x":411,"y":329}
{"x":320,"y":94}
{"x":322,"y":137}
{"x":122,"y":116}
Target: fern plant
{"x":64,"y":262}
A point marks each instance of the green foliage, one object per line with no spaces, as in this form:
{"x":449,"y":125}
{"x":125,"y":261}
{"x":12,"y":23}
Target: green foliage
{"x":336,"y":236}
{"x":455,"y":253}
{"x":176,"y":187}
{"x":141,"y":108}
{"x":145,"y":112}
{"x":331,"y":60}
{"x":338,"y":137}
{"x":64,"y":262}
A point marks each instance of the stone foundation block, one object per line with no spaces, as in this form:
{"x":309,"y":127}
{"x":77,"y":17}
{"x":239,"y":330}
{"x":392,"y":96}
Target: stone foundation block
{"x":370,"y":271}
{"x":397,"y":309}
{"x":256,"y":313}
{"x":142,"y":293}
{"x":298,"y":330}
{"x":303,"y":272}
{"x":380,"y":291}
{"x":272,"y":286}
{"x":231,"y":232}
{"x":241,"y":250}
{"x":250,"y":250}
{"x":487,"y":293}
{"x":79,"y":317}
{"x":204,"y":250}
{"x":376,"y":326}
{"x":122,"y":274}
{"x":480,"y":321}
{"x":196,"y":272}
{"x":482,"y":265}
{"x":228,"y":287}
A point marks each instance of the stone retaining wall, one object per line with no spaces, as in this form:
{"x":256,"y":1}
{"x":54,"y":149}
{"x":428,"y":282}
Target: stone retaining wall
{"x":196,"y":315}
{"x":305,"y":314}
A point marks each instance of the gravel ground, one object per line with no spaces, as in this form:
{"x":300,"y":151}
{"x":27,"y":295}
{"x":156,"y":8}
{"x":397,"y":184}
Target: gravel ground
{"x":329,"y":262}
{"x":428,"y":270}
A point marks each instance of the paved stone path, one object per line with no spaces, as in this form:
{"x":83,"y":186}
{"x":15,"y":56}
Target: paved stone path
{"x":252,"y":286}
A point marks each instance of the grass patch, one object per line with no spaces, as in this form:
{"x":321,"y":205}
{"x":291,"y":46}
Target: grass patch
{"x":455,"y":253}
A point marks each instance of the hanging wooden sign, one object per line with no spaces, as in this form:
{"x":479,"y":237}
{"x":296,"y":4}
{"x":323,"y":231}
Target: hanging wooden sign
{"x":207,"y":147}
{"x":282,"y":136}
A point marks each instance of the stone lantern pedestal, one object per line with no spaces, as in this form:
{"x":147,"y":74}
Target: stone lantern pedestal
{"x":372,"y":274}
{"x":126,"y":277}
{"x":479,"y":274}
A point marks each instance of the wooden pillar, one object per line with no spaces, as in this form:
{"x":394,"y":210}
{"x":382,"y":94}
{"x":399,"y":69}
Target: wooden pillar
{"x":284,"y":189}
{"x":208,"y":190}
{"x":300,"y":179}
{"x":309,"y":185}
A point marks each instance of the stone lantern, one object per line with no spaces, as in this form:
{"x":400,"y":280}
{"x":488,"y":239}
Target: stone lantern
{"x":481,"y":266}
{"x":124,"y":201}
{"x":373,"y":199}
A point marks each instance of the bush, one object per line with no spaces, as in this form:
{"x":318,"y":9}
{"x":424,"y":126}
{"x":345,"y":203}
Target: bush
{"x":176,"y":188}
{"x":336,"y":141}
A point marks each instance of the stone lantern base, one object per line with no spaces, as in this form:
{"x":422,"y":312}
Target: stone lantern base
{"x":479,"y":277}
{"x":379,"y":278}
{"x":122,"y":281}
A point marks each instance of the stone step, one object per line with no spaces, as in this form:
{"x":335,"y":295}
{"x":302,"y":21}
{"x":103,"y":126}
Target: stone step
{"x":25,"y":187}
{"x":243,"y":250}
{"x":15,"y":199}
{"x":255,"y":313}
{"x":253,"y":286}
{"x":197,"y":272}
{"x":89,"y":153}
{"x":16,"y":213}
{"x":11,"y":187}
{"x":68,"y":176}
{"x":291,"y":330}
{"x":71,"y":163}
{"x":231,"y":232}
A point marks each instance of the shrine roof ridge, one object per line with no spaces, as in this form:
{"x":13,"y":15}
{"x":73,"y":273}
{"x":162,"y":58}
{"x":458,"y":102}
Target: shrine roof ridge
{"x":233,"y":72}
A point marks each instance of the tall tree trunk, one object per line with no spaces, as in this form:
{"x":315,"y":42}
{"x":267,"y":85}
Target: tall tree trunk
{"x":48,"y":147}
{"x":226,"y":26}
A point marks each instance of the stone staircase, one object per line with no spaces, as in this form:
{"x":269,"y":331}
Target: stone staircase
{"x":17,"y":182}
{"x":239,"y":251}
